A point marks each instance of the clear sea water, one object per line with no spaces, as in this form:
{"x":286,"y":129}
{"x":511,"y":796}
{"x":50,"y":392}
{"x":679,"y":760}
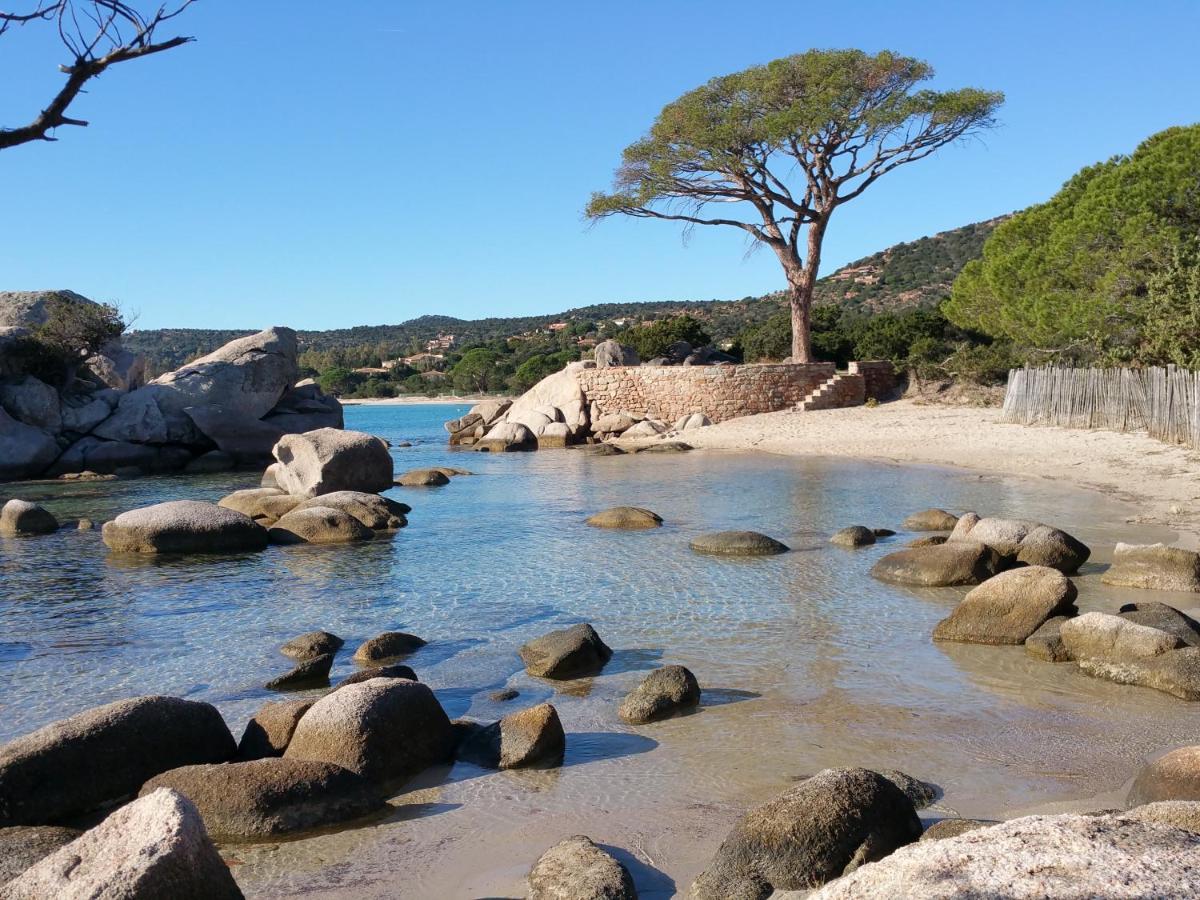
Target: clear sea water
{"x":805,"y":661}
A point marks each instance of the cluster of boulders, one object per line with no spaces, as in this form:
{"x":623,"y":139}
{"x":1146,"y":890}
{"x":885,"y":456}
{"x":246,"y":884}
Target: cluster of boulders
{"x":225,"y":409}
{"x":556,"y":413}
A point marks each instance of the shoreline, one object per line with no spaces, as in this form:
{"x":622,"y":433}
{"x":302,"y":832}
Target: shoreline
{"x":443,"y":400}
{"x":1162,"y":479}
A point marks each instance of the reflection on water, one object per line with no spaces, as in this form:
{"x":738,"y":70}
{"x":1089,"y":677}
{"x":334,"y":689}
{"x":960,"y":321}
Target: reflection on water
{"x":807,"y":662}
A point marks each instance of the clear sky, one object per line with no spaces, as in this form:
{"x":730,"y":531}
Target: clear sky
{"x":389,"y":159}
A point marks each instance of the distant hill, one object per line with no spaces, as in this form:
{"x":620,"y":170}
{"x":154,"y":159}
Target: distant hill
{"x":910,"y":274}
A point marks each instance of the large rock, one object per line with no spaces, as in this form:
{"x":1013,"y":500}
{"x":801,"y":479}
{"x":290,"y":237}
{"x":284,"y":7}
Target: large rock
{"x":240,"y":434}
{"x":246,"y":378}
{"x":270,"y":730}
{"x":20,"y":517}
{"x":156,"y":847}
{"x":530,"y":737}
{"x":1171,"y":776}
{"x":312,"y":644}
{"x":118,"y":368}
{"x":506,"y":437}
{"x":1037,"y":858}
{"x":1009,"y":608}
{"x":737,"y":543}
{"x":388,"y":645}
{"x":183,"y":526}
{"x":664,"y":692}
{"x":376,"y":512}
{"x":328,"y":460}
{"x":25,"y":451}
{"x":1023,"y":541}
{"x":23,"y":845}
{"x":1176,"y":672}
{"x":422,"y":478}
{"x":1097,"y":635}
{"x":955,"y":562}
{"x":614,"y":353}
{"x":318,"y":525}
{"x":383,"y":728}
{"x":820,"y":829}
{"x":104,"y":754}
{"x":33,"y":402}
{"x":576,"y":869}
{"x":853,"y":536}
{"x":83,"y":412}
{"x":555,"y":436}
{"x":566,"y":653}
{"x":263,"y":505}
{"x":627,"y":517}
{"x":612,"y":424}
{"x":305,"y":407}
{"x":560,"y":393}
{"x":266,"y":797}
{"x":930,"y":520}
{"x":1154,"y":567}
{"x":91,"y":453}
{"x":307,"y":673}
{"x":1165,"y":618}
{"x":1183,"y":814}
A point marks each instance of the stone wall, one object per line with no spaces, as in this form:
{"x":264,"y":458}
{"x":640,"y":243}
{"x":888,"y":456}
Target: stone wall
{"x":879,"y":377}
{"x":720,"y":392}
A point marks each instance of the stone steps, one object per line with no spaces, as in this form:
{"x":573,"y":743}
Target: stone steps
{"x":840,"y":391}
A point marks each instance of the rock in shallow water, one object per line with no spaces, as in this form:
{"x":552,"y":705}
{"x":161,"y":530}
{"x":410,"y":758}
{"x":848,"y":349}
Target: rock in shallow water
{"x":628,"y":517}
{"x":1097,"y":635}
{"x":394,"y":671}
{"x":375,"y":512}
{"x":307,"y":673}
{"x":662,"y":693}
{"x":312,"y":644}
{"x":960,"y":562}
{"x":1023,"y":541}
{"x":853,"y":536}
{"x":1009,"y":607}
{"x":930,"y":520}
{"x":737,"y":543}
{"x":566,"y":653}
{"x":1171,"y":776}
{"x":270,"y":729}
{"x":267,"y":797}
{"x":948,"y":828}
{"x":388,"y":645}
{"x":422,"y":478}
{"x":530,"y":737}
{"x":20,"y":517}
{"x":814,"y":832}
{"x":1037,"y":858}
{"x":576,"y":869}
{"x":1154,"y":567}
{"x":329,"y":459}
{"x":104,"y":754}
{"x":154,"y":847}
{"x":1046,"y":643}
{"x":183,"y":526}
{"x":318,"y":525}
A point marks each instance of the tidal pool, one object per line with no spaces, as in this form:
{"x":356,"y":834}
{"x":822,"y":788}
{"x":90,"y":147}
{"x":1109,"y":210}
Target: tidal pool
{"x":805,"y":661}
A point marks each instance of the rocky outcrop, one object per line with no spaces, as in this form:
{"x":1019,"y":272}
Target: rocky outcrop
{"x":626,"y":517}
{"x":25,"y":451}
{"x":1053,"y":857}
{"x":940,"y":565}
{"x":183,"y":526}
{"x":576,"y":869}
{"x":824,"y":827}
{"x":154,"y":847}
{"x":382,"y":729}
{"x":1009,"y":608}
{"x":103,"y":755}
{"x":1154,"y":567}
{"x":328,"y":460}
{"x":267,"y":797}
{"x":20,"y":517}
{"x":614,"y":353}
{"x":566,"y":653}
{"x":475,"y":424}
{"x":530,"y":737}
{"x":663,"y":693}
{"x":737,"y":543}
{"x":1023,"y":541}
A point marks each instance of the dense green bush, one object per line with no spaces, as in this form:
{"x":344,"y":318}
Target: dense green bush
{"x":652,"y":340}
{"x":74,"y":330}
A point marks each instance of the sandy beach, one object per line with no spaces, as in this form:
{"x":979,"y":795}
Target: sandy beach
{"x":1163,"y":481}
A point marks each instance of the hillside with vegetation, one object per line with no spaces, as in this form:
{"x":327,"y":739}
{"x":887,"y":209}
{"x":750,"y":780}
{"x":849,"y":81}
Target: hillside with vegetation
{"x":914,"y":274}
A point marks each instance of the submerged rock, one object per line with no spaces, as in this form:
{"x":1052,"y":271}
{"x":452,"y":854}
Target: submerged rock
{"x":737,"y":543}
{"x":103,"y":755}
{"x":154,"y":847}
{"x":1053,"y":857}
{"x":1154,"y":567}
{"x":958,"y":562}
{"x":312,"y":644}
{"x":822,"y":828}
{"x":853,"y":536}
{"x":266,"y":797}
{"x":423,"y":478}
{"x":576,"y":869}
{"x":532,"y":736}
{"x":382,"y":729}
{"x":628,"y":517}
{"x":308,"y":673}
{"x":662,"y":693}
{"x":1009,"y":607}
{"x":566,"y":653}
{"x":183,"y":526}
{"x":20,"y":517}
{"x":388,"y":645}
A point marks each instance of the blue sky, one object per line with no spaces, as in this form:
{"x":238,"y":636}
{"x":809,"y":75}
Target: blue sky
{"x":395,"y":159}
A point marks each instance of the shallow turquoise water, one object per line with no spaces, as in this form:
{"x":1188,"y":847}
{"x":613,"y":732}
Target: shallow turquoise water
{"x":805,"y":660}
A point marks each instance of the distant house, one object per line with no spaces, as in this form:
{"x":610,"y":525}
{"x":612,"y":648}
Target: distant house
{"x":422,"y":361}
{"x":441,"y":342}
{"x":556,"y":326}
{"x":622,"y":322}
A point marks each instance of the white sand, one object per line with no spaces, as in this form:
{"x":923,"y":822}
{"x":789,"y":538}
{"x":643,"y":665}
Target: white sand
{"x":1163,"y":480}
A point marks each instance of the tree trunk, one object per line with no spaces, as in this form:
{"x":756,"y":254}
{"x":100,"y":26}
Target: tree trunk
{"x":800,"y":299}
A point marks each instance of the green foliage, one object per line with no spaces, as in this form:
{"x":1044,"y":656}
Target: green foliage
{"x":74,"y":330}
{"x":339,"y":381}
{"x":1169,"y":322}
{"x":537,"y":367}
{"x":653,"y":340}
{"x":1072,"y":278}
{"x":478,"y":371}
{"x":770,"y":340}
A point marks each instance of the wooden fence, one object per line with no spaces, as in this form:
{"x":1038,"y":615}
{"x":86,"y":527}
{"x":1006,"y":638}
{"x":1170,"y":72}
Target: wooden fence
{"x":1163,"y":402}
